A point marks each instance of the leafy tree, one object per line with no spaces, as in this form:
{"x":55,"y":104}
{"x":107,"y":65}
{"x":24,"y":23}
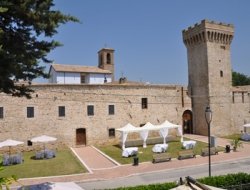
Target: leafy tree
{"x":26,"y":29}
{"x":240,"y":79}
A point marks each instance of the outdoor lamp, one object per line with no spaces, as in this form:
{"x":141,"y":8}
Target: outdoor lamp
{"x":208,"y":116}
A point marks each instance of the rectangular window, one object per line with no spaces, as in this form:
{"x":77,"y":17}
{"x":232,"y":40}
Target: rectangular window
{"x":223,"y":47}
{"x":61,"y":111}
{"x":30,"y":112}
{"x":112,"y":132}
{"x":83,"y":81}
{"x":1,"y":112}
{"x":90,"y":110}
{"x":111,"y":110}
{"x":144,"y":103}
{"x":221,"y":73}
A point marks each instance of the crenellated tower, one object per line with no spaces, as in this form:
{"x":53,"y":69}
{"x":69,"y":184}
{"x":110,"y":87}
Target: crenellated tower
{"x":210,"y":74}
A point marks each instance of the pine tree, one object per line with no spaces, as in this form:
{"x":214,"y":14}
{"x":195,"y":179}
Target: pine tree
{"x":26,"y":31}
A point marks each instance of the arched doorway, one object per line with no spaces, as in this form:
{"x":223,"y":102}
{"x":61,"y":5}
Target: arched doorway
{"x":187,"y":122}
{"x":81,"y":136}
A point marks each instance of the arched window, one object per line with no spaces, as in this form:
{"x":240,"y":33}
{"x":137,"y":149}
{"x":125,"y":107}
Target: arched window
{"x":108,"y":58}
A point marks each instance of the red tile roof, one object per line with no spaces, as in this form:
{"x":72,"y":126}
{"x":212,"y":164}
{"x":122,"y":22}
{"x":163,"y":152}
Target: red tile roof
{"x":78,"y":69}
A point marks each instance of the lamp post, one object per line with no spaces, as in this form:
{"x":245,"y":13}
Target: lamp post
{"x":208,"y":116}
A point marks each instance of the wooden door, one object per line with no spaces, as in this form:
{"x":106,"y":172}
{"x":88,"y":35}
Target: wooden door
{"x":81,"y":136}
{"x":187,"y":122}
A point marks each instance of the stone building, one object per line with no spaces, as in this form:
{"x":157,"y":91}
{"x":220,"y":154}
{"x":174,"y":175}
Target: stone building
{"x":86,"y":114}
{"x":77,"y":74}
{"x":89,"y":114}
{"x":210,"y":79}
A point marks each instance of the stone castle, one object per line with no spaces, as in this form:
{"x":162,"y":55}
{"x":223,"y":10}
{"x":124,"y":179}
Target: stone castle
{"x":87,"y":114}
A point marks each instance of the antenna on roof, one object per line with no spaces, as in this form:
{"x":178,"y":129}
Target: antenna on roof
{"x":105,"y":45}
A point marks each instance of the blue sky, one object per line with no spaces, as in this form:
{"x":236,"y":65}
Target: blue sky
{"x":147,"y":35}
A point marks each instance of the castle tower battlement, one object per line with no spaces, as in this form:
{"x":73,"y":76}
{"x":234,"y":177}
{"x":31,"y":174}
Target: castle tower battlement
{"x":210,"y":75}
{"x":208,"y":31}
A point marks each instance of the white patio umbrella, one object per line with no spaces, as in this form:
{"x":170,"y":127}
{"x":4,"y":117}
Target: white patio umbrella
{"x":10,"y":143}
{"x":43,"y":139}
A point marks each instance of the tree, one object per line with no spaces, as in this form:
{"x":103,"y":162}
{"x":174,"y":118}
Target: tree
{"x":239,"y":79}
{"x":26,"y":29}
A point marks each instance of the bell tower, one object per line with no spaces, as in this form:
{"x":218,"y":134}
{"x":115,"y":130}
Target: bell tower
{"x":210,"y":74}
{"x":106,"y":60}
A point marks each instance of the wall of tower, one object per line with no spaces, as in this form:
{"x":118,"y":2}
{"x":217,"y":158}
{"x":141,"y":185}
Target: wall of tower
{"x":209,"y":64}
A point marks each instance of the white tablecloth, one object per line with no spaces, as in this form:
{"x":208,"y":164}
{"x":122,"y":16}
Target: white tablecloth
{"x":160,"y":148}
{"x":245,"y":137}
{"x":188,"y":144}
{"x":131,"y":151}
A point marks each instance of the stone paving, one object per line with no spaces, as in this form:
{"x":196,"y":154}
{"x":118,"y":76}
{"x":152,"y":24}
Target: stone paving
{"x":102,"y":168}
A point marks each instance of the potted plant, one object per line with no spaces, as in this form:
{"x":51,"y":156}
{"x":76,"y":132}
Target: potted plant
{"x":236,"y":143}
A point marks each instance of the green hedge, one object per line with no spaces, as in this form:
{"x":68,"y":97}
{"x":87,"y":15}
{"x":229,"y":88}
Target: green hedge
{"x":163,"y":186}
{"x":227,"y":180}
{"x":223,"y":181}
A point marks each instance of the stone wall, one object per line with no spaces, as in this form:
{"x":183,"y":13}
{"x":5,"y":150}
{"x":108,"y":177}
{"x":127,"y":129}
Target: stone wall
{"x":165,"y":102}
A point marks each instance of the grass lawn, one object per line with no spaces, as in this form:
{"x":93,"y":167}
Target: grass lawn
{"x":145,"y":154}
{"x":64,"y":163}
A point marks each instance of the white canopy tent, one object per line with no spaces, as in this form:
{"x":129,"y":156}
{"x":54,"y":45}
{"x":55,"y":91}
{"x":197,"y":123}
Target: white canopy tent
{"x":144,"y":130}
{"x":165,"y":126}
{"x":125,"y":130}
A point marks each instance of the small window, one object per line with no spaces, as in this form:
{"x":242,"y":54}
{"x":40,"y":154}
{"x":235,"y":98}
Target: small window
{"x":221,"y":73}
{"x":112,"y":132}
{"x":90,"y":110}
{"x":108,"y":58}
{"x":83,"y":80}
{"x":223,"y":47}
{"x":144,"y":103}
{"x":61,"y":111}
{"x":141,"y":125}
{"x":1,"y":112}
{"x":111,"y":110}
{"x":30,"y":112}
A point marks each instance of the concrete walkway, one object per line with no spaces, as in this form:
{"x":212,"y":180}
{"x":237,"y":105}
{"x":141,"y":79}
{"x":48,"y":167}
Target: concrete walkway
{"x":102,"y":168}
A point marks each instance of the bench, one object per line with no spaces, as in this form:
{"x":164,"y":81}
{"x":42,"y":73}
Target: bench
{"x":186,"y":154}
{"x":162,"y":157}
{"x":213,"y":151}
